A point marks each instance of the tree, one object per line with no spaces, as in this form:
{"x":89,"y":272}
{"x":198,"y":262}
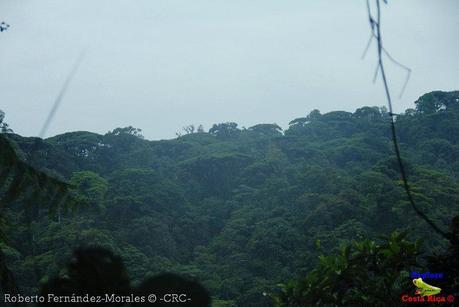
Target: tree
{"x":4,"y":26}
{"x":368,"y":113}
{"x":267,"y":129}
{"x":19,"y":181}
{"x":364,"y":272}
{"x":190,"y":129}
{"x":436,"y":101}
{"x":224,"y":130}
{"x":90,"y":188}
{"x":127,"y":131}
{"x":299,"y":122}
{"x":4,"y":128}
{"x":313,"y":115}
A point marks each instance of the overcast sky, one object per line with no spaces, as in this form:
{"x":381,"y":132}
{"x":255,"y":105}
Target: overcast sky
{"x":160,"y":65}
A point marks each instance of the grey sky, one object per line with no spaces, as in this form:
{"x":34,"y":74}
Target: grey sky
{"x":160,"y":65}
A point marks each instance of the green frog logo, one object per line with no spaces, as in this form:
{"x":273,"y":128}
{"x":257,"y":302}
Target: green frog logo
{"x":424,"y":289}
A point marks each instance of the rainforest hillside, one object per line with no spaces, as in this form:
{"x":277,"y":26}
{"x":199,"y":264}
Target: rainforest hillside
{"x":239,"y":209}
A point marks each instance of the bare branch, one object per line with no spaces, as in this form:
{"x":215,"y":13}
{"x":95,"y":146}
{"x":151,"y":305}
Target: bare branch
{"x":376,"y":29}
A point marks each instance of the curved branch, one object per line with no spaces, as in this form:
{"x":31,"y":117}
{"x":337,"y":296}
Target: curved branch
{"x":376,"y":25}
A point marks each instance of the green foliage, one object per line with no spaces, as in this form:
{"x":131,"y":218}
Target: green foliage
{"x":4,"y":127}
{"x":364,"y":272}
{"x":126,"y":131}
{"x":437,"y":101}
{"x":224,"y":130}
{"x":90,"y":188}
{"x":21,"y":182}
{"x":241,"y":210}
{"x":267,"y":129}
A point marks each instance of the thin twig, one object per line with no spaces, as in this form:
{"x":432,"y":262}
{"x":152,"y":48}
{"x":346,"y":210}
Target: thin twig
{"x":61,"y":94}
{"x":375,"y":76}
{"x":373,"y":25}
{"x":368,"y":46}
{"x":377,"y":26}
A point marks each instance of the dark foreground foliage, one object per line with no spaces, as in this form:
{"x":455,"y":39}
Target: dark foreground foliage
{"x":363,"y":273}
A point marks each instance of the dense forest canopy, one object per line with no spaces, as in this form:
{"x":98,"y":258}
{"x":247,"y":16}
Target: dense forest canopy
{"x":240,"y":210}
